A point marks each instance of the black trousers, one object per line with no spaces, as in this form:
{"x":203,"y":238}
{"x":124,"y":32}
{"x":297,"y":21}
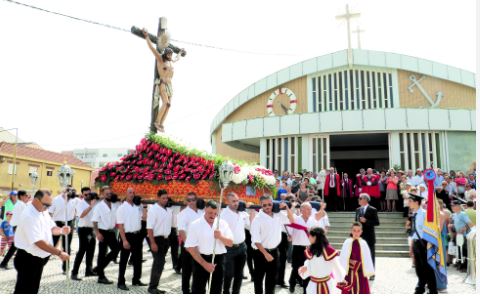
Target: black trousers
{"x":187,"y":266}
{"x":109,"y":241}
{"x":136,"y":245}
{"x":298,"y":259}
{"x":332,"y":200}
{"x":201,"y":276}
{"x":248,"y":242}
{"x":64,"y":241}
{"x":282,"y":259}
{"x":158,"y":261}
{"x":425,"y":273}
{"x":233,"y":265}
{"x":265,"y":269}
{"x":173,"y":242}
{"x":29,"y":272}
{"x":10,"y":252}
{"x":86,"y":238}
{"x":371,"y":246}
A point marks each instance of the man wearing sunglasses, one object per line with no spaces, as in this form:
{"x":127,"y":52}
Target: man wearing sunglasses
{"x":266,"y":230}
{"x":187,"y":216}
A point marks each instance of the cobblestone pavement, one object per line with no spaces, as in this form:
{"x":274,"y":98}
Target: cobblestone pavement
{"x":393,"y":275}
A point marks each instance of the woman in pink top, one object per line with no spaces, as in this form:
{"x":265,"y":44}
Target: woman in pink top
{"x":461,"y":181}
{"x":392,"y":191}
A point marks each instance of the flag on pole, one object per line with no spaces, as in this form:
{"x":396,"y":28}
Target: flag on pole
{"x":432,"y":232}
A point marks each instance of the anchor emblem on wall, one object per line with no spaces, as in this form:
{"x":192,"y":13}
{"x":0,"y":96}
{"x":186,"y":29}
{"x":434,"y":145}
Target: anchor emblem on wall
{"x":416,"y":82}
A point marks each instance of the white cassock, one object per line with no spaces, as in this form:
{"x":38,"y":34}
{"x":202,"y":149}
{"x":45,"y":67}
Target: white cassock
{"x":320,"y":270}
{"x":367,"y":262}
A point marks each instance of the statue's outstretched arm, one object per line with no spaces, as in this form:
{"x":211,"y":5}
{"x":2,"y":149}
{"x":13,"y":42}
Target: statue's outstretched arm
{"x":154,"y":51}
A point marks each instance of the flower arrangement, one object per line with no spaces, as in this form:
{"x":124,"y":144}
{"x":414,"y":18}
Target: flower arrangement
{"x":158,"y":160}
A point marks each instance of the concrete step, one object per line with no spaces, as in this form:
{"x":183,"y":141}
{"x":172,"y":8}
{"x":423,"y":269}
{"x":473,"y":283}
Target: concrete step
{"x":390,"y":254}
{"x":339,"y":223}
{"x":380,"y":214}
{"x":381,"y":228}
{"x":379,"y":247}
{"x":380,"y":240}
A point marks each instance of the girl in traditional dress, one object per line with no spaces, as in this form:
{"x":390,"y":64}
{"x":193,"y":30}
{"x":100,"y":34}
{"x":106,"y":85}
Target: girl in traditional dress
{"x":356,"y":259}
{"x":322,"y":261}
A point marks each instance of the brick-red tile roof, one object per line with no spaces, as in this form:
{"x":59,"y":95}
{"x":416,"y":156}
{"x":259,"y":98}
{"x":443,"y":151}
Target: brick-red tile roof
{"x":41,"y":154}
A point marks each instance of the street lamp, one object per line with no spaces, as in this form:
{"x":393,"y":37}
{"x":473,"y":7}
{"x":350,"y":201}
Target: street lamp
{"x":14,"y":154}
{"x":65,"y":174}
{"x":34,"y":178}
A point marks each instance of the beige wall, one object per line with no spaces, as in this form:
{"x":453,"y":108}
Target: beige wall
{"x":256,"y":107}
{"x":455,"y":95}
{"x":226,"y":150}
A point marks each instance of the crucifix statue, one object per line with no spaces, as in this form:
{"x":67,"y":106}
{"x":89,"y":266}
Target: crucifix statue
{"x":162,"y":90}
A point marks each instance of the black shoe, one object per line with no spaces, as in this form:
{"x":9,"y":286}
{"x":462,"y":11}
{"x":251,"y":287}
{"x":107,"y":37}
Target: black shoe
{"x":104,"y":281}
{"x":139,"y":283}
{"x":156,"y":291}
{"x":372,"y":278}
{"x":291,"y":289}
{"x":90,"y":273}
{"x":75,"y":277}
{"x":95,"y":269}
{"x":4,"y":267}
{"x":123,"y":287}
{"x":178,"y":271}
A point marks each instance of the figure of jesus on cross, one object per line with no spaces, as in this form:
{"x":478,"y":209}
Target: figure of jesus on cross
{"x":163,"y":85}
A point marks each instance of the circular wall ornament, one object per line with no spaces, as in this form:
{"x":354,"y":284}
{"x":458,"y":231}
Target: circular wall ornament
{"x":292,"y":101}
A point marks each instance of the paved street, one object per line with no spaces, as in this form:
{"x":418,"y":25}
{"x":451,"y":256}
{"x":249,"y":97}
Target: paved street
{"x":394,"y":275}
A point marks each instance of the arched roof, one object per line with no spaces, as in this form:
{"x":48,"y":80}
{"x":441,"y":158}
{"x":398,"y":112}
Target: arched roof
{"x":339,"y":59}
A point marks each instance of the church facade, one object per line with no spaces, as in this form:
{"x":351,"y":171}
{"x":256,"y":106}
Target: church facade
{"x":352,"y":110}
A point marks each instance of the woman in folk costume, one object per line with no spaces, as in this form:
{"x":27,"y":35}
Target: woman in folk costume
{"x":355,"y":258}
{"x":322,"y":261}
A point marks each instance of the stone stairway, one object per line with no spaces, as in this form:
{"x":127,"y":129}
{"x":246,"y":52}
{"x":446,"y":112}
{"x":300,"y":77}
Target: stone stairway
{"x":391,"y":235}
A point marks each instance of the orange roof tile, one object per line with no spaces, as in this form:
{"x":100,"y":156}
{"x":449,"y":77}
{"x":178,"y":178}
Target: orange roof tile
{"x":41,"y":154}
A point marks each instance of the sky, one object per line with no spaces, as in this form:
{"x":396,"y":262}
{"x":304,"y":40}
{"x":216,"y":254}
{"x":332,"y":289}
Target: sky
{"x":67,"y":84}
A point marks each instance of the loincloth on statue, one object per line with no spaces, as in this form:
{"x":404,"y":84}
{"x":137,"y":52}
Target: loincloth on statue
{"x":167,"y":85}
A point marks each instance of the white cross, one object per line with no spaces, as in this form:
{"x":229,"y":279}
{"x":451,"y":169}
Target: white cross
{"x":358,"y":31}
{"x":347,"y":16}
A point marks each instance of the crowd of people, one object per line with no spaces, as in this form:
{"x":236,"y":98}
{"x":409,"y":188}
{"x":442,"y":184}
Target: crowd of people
{"x":211,"y":253}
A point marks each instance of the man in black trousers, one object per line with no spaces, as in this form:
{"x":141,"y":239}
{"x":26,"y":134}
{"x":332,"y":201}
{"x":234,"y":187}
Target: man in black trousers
{"x":367,"y":215}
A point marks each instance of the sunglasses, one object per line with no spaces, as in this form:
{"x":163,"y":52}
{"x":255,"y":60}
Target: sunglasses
{"x":267,"y":205}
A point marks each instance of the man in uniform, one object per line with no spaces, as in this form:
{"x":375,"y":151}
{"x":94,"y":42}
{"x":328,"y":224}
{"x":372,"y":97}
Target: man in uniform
{"x":129,"y":222}
{"x":425,"y":273}
{"x":63,"y":209}
{"x":203,"y":239}
{"x":104,"y":217}
{"x":187,"y":216}
{"x":266,"y":231}
{"x":159,"y":226}
{"x":35,"y":243}
{"x":236,"y":254}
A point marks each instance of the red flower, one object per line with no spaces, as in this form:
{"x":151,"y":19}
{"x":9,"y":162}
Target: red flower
{"x":103,"y":178}
{"x":236,"y":169}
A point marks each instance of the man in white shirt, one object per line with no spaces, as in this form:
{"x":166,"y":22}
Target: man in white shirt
{"x":266,"y":231}
{"x":418,"y":178}
{"x":60,"y":215}
{"x":187,"y":216}
{"x":104,"y":217}
{"x":203,"y":240}
{"x":159,"y":226}
{"x":86,"y":235}
{"x":35,"y":243}
{"x":20,"y":205}
{"x":129,"y":222}
{"x":237,"y":254}
{"x":173,"y":240}
{"x":300,"y":240}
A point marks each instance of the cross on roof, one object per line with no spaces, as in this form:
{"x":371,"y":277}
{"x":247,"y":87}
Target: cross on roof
{"x":358,"y":31}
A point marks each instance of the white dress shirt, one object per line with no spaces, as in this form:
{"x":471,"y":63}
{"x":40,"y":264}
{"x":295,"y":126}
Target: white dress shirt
{"x":57,"y":209}
{"x":159,"y":220}
{"x":201,"y":235}
{"x":186,"y":217}
{"x":34,"y":226}
{"x":300,"y":237}
{"x":237,"y":221}
{"x":130,"y":216}
{"x":175,"y":212}
{"x":267,"y":230}
{"x":104,"y":215}
{"x":17,"y":212}
{"x":86,"y":221}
